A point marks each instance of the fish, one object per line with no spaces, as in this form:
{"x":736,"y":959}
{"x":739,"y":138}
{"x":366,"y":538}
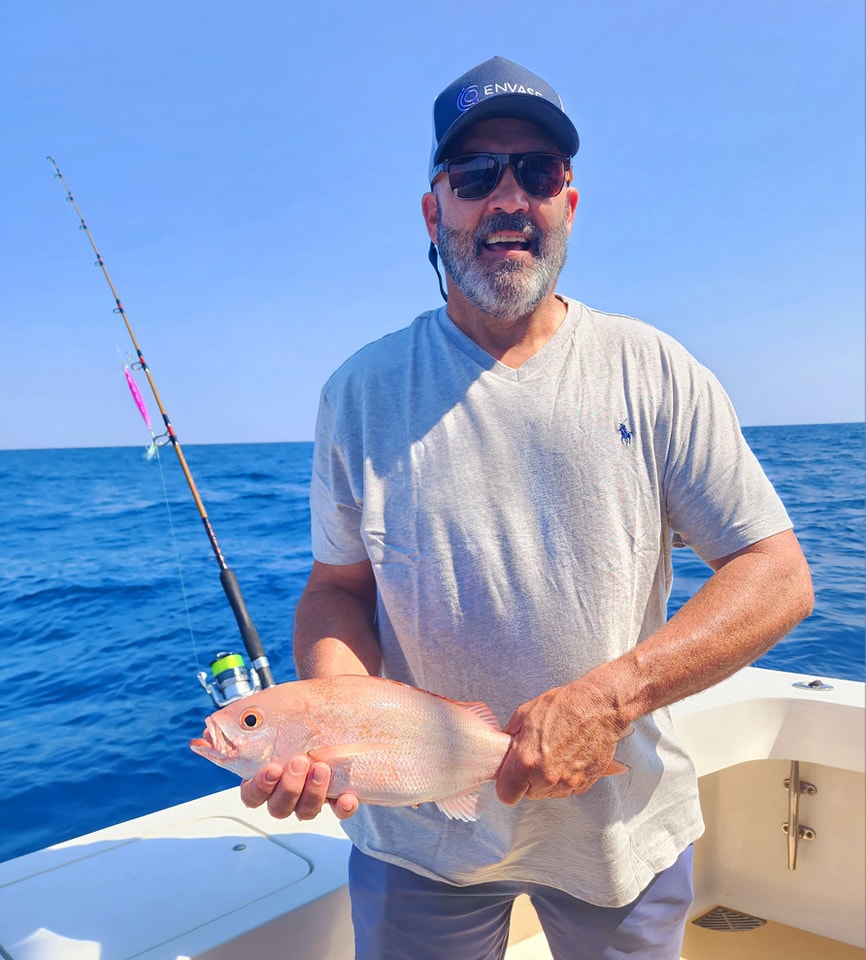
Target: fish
{"x":386,"y":742}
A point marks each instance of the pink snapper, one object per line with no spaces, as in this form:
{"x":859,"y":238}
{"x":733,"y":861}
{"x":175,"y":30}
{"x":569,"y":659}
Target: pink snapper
{"x":386,"y":742}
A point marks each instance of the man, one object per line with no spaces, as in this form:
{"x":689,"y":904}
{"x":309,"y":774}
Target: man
{"x":495,"y":493}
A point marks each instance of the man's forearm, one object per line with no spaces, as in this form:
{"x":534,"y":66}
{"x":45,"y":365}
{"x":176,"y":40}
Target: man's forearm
{"x":334,"y":632}
{"x":751,"y":601}
{"x":564,"y":739}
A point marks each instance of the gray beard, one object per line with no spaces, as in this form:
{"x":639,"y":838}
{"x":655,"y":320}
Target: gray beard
{"x":509,"y":289}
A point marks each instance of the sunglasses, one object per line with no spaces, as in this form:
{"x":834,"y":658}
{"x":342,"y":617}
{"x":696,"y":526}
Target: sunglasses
{"x":473,"y":176}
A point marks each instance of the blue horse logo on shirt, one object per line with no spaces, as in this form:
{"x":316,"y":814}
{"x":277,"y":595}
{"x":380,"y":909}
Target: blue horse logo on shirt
{"x":625,"y":434}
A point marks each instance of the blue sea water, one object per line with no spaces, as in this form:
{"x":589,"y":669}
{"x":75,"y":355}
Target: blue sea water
{"x":110,"y":602}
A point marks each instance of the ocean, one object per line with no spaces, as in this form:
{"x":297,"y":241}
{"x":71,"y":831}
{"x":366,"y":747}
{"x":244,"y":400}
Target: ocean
{"x":110,"y":603}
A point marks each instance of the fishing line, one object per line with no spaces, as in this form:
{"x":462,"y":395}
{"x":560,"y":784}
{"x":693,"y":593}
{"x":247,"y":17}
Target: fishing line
{"x":228,"y":670}
{"x":151,"y":451}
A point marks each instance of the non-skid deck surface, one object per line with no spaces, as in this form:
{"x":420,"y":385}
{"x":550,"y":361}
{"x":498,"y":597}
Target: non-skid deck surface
{"x":772,"y":941}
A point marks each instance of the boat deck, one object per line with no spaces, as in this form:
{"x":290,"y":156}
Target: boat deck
{"x":770,"y":940}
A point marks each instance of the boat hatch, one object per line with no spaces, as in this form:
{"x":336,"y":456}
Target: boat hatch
{"x":121,"y":900}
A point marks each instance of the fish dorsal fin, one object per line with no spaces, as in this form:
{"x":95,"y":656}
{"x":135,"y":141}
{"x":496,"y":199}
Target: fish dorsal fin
{"x":467,"y":808}
{"x":481,"y":710}
{"x":484,"y":712}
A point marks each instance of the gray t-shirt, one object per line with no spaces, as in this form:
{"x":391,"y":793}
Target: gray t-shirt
{"x":519,"y":523}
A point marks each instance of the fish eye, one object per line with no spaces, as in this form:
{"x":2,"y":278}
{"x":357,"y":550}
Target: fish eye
{"x":251,"y":719}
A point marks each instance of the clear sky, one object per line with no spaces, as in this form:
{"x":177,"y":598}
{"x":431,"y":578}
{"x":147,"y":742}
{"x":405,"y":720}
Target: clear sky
{"x":252,"y":173}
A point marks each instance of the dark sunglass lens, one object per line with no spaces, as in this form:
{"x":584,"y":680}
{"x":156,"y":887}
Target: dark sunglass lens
{"x":473,"y":177}
{"x":541,"y":174}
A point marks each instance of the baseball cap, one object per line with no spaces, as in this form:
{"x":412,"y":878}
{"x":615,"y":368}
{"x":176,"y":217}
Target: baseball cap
{"x":498,"y":88}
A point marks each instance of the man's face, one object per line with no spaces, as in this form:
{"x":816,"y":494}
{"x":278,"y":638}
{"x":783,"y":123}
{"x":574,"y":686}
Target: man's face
{"x":505,"y":251}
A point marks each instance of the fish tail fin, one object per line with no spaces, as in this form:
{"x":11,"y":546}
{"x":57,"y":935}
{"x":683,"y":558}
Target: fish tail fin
{"x":616,"y":768}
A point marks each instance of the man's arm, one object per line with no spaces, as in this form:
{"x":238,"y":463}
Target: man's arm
{"x":334,"y":634}
{"x":565,"y":738}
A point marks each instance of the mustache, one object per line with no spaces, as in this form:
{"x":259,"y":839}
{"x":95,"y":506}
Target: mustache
{"x":515,"y":222}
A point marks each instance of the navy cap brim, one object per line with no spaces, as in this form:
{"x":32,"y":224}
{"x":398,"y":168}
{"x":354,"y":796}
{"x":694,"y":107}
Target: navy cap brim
{"x":536,"y":110}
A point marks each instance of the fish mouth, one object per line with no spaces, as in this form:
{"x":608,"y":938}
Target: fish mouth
{"x":214,"y":742}
{"x":240,"y":756}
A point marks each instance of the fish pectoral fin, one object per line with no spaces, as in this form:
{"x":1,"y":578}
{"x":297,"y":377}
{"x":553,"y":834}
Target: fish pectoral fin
{"x":333,"y":754}
{"x":467,"y":807}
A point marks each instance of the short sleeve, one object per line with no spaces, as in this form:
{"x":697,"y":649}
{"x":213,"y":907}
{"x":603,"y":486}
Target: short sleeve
{"x":335,"y":495}
{"x":717,"y":496}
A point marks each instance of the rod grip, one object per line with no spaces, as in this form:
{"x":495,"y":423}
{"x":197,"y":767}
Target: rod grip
{"x":249,"y":634}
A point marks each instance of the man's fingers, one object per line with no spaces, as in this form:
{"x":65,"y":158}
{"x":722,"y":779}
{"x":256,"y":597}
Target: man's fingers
{"x":258,"y":790}
{"x":511,"y":786}
{"x":301,"y":788}
{"x":345,"y":806}
{"x":314,"y":788}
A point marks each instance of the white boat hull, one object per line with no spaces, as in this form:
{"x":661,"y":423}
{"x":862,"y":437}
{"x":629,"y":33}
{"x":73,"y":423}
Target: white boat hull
{"x":212,"y":880}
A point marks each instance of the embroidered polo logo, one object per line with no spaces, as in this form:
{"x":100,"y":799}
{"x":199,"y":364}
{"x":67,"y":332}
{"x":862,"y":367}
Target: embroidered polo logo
{"x":625,"y":434}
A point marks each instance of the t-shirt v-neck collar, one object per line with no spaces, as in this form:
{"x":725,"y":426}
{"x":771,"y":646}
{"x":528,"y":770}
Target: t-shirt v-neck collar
{"x":538,"y":362}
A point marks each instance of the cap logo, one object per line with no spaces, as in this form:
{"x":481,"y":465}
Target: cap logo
{"x":493,"y":89}
{"x":468,"y":98}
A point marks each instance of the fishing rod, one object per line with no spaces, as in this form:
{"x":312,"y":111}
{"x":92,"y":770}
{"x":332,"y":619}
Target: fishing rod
{"x":231,"y":679}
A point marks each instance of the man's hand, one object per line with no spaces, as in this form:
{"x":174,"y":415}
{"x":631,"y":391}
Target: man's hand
{"x":563,"y":741}
{"x":300,"y":787}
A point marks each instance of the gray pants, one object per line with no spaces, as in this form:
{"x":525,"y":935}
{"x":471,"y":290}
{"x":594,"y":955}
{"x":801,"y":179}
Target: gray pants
{"x":399,"y":915}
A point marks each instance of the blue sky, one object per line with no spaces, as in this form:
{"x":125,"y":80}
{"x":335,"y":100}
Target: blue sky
{"x":253,"y":176}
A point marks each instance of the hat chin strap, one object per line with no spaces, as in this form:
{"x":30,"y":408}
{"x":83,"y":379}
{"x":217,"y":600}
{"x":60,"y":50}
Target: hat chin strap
{"x":433,"y":257}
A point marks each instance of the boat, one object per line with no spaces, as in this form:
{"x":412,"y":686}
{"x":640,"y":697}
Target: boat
{"x":780,"y":871}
